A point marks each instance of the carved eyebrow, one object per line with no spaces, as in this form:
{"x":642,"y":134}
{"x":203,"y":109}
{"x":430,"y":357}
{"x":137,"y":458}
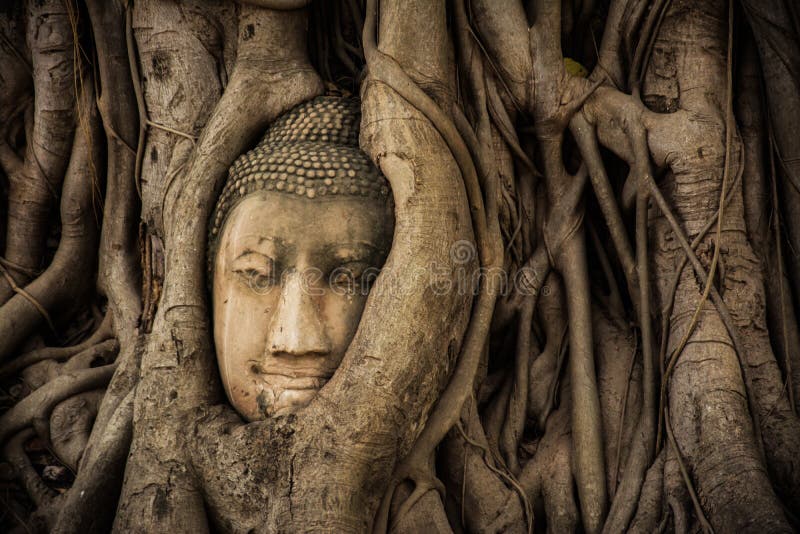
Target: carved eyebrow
{"x":353,"y":250}
{"x":352,"y":244}
{"x":249,"y":251}
{"x":280,"y":245}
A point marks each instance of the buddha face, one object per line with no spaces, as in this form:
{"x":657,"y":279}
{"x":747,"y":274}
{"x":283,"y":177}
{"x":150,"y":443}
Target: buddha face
{"x":291,"y":277}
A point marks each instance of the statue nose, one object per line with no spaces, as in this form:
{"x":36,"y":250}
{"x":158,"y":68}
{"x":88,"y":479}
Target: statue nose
{"x":296,"y":327}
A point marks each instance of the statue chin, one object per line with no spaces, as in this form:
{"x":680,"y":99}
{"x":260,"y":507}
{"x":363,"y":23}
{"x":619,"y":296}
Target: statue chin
{"x":291,"y":401}
{"x":280,"y":395}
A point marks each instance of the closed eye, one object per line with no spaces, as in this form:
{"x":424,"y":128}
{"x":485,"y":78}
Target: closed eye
{"x":256,"y":271}
{"x":258,"y":281}
{"x":353,"y":277}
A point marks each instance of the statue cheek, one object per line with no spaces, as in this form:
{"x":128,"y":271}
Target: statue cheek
{"x":240,"y":331}
{"x":342,"y":315}
{"x":241,"y":320}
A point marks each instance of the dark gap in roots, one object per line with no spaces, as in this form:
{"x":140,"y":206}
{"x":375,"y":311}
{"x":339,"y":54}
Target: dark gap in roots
{"x":334,"y":43}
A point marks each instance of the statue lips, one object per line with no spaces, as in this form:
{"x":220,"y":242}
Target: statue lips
{"x":300,"y":383}
{"x":288,"y":394}
{"x":290,"y":372}
{"x":290,"y":382}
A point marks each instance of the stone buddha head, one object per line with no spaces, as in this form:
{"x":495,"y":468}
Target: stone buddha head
{"x":299,"y":233}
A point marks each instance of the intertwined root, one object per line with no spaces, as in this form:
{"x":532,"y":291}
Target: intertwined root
{"x":60,"y":411}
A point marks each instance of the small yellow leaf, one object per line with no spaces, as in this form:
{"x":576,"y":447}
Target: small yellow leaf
{"x":574,"y":68}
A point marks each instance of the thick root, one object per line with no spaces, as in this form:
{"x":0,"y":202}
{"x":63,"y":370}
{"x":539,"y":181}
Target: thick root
{"x":35,"y":180}
{"x":38,"y":405}
{"x":58,"y":354}
{"x":548,"y":477}
{"x":649,"y":508}
{"x":64,"y":281}
{"x":70,"y":425}
{"x":481,"y":497}
{"x":88,"y":506}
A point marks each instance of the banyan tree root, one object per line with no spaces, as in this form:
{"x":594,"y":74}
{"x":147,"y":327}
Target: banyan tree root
{"x":481,"y":495}
{"x":601,"y":102}
{"x":694,"y":169}
{"x":100,"y":477}
{"x":36,"y":173}
{"x":61,"y":412}
{"x":45,"y":498}
{"x":119,"y":276}
{"x":70,"y":425}
{"x":39,"y":405}
{"x":764,"y":217}
{"x":773,"y":25}
{"x":64,"y":281}
{"x":43,"y":372}
{"x":548,"y":478}
{"x":93,"y":342}
{"x":648,"y":510}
